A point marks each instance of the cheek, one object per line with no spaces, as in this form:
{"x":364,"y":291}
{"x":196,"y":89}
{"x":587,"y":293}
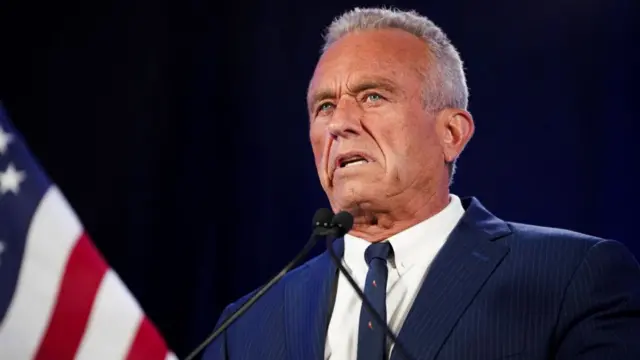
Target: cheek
{"x":424,"y":152}
{"x":317,"y":140}
{"x":410,"y":145}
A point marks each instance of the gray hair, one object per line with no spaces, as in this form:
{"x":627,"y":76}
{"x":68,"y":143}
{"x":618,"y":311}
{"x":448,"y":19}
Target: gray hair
{"x":446,"y":83}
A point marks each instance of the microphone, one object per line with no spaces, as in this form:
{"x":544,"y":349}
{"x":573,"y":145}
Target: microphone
{"x":321,"y":227}
{"x":340,"y":225}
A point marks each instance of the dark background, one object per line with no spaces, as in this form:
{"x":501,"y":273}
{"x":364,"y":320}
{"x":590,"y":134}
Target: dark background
{"x":178,"y":130}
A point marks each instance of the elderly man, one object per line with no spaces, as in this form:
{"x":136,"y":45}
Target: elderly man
{"x":387,"y":108}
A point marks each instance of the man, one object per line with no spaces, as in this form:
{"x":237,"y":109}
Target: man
{"x":387,"y":106}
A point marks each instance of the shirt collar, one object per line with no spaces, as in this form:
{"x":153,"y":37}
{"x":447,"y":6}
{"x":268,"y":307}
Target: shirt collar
{"x":412,"y":244}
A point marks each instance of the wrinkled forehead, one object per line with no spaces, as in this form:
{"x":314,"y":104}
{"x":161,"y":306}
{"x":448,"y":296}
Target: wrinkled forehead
{"x":392,"y":54}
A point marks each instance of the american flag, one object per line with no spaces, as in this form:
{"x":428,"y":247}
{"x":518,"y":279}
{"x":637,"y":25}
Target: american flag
{"x":59,"y":299}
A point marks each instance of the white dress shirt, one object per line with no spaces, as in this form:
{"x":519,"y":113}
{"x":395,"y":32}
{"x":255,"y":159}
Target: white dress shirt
{"x":414,"y":250}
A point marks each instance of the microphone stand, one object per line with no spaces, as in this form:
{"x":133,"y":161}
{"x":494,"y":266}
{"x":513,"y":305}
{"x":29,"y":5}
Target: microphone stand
{"x":320,"y":230}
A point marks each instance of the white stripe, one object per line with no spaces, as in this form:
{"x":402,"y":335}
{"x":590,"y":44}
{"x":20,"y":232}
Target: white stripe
{"x":113,"y":323}
{"x":53,"y":232}
{"x":171,"y":356}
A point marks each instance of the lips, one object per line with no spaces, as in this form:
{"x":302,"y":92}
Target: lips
{"x":353,"y":161}
{"x":350,"y":159}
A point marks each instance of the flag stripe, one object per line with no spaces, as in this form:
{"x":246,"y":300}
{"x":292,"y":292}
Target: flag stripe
{"x":53,"y":233}
{"x":171,"y":356}
{"x":80,"y":284}
{"x":105,"y":328}
{"x":60,"y":299}
{"x":148,"y":345}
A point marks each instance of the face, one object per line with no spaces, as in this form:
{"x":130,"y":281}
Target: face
{"x":373,"y":140}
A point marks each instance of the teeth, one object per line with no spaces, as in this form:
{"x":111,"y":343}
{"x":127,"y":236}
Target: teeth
{"x":357,"y":162}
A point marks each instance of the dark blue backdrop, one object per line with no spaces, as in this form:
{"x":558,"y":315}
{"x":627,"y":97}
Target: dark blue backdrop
{"x":178,"y":129}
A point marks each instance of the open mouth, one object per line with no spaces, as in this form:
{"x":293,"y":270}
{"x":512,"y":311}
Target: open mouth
{"x":352,"y":160}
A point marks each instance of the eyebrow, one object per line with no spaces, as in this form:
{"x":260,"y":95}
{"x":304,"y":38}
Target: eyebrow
{"x":361,"y":85}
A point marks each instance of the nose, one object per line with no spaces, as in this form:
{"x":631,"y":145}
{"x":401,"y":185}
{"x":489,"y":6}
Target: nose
{"x":345,"y":121}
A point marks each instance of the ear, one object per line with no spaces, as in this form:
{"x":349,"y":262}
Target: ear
{"x":455,"y":128}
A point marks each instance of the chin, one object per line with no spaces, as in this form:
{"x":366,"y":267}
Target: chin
{"x":353,"y":195}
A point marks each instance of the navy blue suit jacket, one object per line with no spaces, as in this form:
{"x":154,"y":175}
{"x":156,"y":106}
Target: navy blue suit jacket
{"x":496,"y":290}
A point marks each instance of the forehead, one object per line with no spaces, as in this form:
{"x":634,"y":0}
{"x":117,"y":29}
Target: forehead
{"x":388,"y":53}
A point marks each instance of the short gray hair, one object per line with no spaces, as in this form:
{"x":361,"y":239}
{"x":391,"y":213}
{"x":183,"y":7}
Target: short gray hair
{"x":446,"y":84}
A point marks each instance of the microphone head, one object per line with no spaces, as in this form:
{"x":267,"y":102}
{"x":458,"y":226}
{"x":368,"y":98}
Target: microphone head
{"x":322,"y":218}
{"x":343,"y":222}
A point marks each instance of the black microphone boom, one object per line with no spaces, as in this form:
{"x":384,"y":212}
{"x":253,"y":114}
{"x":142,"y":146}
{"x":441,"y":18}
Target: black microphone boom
{"x":321,"y":227}
{"x":340,"y":225}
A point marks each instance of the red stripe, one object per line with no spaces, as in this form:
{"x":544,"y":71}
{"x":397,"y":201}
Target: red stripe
{"x":148,"y":344}
{"x":82,"y":277}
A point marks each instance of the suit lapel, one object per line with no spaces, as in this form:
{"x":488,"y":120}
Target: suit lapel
{"x":308,"y":301}
{"x":459,"y":271}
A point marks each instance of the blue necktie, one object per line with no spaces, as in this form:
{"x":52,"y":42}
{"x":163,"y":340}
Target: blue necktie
{"x":371,"y":335}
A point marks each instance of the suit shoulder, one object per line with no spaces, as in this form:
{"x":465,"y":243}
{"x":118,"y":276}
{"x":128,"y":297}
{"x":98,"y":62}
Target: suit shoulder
{"x":295,"y":275}
{"x":528,"y":233}
{"x":565,"y":247}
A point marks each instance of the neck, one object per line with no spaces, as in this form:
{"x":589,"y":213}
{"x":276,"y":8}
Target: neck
{"x":377,"y":224}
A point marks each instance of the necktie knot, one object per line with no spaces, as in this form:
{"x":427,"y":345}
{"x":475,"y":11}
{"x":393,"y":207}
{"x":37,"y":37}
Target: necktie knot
{"x":380,"y":250}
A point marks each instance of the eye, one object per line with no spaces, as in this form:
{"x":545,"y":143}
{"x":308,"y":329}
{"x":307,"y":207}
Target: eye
{"x":373,"y":97}
{"x":325,"y":106}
